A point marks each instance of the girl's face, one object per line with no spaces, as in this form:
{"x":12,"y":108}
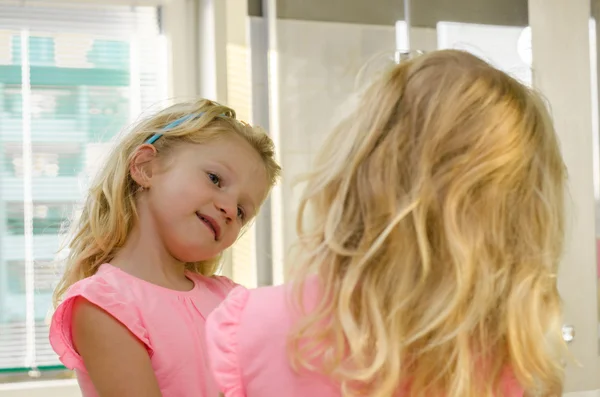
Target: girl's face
{"x":201,"y":197}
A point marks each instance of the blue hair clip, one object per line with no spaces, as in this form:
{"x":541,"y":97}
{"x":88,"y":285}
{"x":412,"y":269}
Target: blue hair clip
{"x":170,"y":126}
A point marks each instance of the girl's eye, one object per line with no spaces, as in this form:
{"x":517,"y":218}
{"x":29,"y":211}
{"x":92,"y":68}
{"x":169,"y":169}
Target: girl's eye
{"x":241,"y":213}
{"x":214,"y":178}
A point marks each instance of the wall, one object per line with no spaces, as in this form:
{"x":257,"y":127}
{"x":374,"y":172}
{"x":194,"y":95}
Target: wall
{"x":313,"y":82}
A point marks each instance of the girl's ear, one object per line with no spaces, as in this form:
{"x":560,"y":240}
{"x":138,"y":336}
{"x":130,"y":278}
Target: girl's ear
{"x":140,"y":167}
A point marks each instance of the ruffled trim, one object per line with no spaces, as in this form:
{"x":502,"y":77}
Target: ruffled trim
{"x":226,"y":283}
{"x":99,"y":292}
{"x":220,"y":285}
{"x":222,"y":328}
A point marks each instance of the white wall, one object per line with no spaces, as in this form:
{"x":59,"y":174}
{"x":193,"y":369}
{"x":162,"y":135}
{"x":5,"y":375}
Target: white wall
{"x":592,"y":393}
{"x":498,"y":45}
{"x":318,"y":68}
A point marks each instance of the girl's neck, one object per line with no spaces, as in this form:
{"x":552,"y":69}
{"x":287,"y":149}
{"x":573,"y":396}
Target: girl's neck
{"x":145,"y":256}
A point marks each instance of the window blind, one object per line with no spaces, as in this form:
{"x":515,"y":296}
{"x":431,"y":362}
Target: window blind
{"x":71,"y":77}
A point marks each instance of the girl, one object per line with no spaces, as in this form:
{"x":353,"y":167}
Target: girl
{"x":430,"y":255}
{"x":140,"y":281}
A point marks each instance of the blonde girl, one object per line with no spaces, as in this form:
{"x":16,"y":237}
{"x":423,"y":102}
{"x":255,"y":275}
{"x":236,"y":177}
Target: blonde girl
{"x":430,"y":231}
{"x":140,"y":277}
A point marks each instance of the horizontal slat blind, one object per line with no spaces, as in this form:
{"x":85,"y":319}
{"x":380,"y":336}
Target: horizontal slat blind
{"x":71,"y":78}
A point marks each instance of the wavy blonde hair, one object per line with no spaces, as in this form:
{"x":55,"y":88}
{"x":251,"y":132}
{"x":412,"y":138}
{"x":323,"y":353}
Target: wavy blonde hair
{"x":433,"y":219}
{"x":109,"y":212}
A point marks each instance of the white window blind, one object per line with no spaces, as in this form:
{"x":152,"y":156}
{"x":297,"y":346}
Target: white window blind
{"x":71,"y":77}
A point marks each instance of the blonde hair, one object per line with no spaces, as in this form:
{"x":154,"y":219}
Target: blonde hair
{"x":109,"y":212}
{"x":433,"y":219}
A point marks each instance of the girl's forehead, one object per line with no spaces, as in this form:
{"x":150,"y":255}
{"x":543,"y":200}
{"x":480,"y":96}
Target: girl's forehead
{"x":231,"y":142}
{"x":235,"y":155}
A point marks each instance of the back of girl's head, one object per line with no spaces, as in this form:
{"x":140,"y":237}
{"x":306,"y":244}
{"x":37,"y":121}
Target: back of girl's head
{"x":109,"y":211}
{"x":436,"y":226}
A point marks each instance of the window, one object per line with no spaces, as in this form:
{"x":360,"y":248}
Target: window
{"x":46,"y":102}
{"x":47,"y":161}
{"x":43,"y":277}
{"x":48,"y":218}
{"x":109,"y":54}
{"x":66,"y":89}
{"x":41,"y":50}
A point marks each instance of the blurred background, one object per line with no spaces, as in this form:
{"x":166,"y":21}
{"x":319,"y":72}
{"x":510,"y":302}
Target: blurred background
{"x":74,"y":74}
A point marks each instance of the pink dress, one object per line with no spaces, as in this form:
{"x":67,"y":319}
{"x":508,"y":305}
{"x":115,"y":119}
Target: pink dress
{"x":246,"y":341}
{"x":170,"y":323}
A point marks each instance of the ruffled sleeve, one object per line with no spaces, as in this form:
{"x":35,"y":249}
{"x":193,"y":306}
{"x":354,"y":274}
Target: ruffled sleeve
{"x":222,"y":333}
{"x":118,"y":302}
{"x":225,"y":284}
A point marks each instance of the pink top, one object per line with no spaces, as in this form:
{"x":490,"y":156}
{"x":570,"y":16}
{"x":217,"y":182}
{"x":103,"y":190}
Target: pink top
{"x":170,"y":323}
{"x":247,"y":337}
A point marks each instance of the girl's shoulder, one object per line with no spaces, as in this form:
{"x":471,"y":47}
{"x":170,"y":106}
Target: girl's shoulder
{"x":106,"y":289}
{"x":107,"y":285}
